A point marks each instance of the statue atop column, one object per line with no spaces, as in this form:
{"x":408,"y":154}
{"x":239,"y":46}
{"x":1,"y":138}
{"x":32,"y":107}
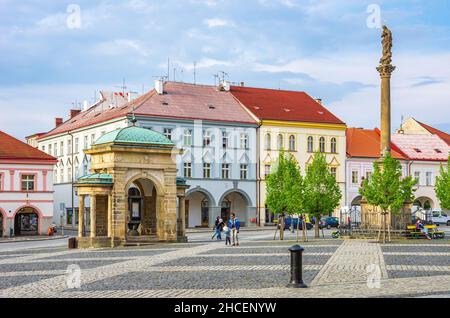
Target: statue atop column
{"x":387,"y":46}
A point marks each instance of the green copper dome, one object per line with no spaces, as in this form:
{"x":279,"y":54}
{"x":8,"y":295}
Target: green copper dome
{"x":134,"y":135}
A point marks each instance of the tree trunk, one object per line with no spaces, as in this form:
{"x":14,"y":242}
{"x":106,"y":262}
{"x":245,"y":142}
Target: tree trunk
{"x":384,"y":227}
{"x":298,"y":226}
{"x":281,"y":223}
{"x":317,"y":230}
{"x":304,"y":230}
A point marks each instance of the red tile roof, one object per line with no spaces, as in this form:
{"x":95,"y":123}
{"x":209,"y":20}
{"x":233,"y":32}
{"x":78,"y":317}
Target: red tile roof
{"x":12,"y":148}
{"x":422,"y":147}
{"x":189,"y":101}
{"x":180,"y":101}
{"x":98,"y":113}
{"x":444,"y":136}
{"x":365,"y":143}
{"x":270,"y":104}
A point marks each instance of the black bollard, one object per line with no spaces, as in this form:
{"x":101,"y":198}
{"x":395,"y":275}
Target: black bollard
{"x":296,"y":267}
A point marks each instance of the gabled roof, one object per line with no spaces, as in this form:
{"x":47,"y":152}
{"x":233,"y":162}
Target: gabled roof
{"x":365,"y":143}
{"x":180,"y":101}
{"x":444,"y":136}
{"x":192,"y":102}
{"x":270,"y":104}
{"x":422,"y":147}
{"x":12,"y":148}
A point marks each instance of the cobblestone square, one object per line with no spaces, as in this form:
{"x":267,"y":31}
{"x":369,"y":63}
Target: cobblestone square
{"x":259,"y":268}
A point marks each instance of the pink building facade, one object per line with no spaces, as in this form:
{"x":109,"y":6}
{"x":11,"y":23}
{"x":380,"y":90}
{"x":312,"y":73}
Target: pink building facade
{"x":26,"y":188}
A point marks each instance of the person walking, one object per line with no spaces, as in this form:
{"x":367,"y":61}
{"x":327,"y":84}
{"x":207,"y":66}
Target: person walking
{"x":234,"y":226}
{"x":218,"y":229}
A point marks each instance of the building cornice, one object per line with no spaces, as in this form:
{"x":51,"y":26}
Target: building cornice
{"x":298,"y":124}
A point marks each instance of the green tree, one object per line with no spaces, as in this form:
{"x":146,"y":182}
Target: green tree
{"x":387,"y":189}
{"x":284,"y":189}
{"x":443,"y":186}
{"x":321,"y":193}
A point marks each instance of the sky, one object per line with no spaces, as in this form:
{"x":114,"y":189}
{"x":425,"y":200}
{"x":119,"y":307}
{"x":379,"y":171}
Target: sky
{"x":56,"y":54}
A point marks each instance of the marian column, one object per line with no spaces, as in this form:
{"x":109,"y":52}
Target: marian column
{"x":385,"y":69}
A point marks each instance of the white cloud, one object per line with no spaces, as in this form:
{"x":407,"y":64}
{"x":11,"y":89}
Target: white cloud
{"x":121,"y":47}
{"x":216,"y":22}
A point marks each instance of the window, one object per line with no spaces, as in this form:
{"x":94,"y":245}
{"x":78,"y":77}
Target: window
{"x":55,"y":176}
{"x":43,"y":148}
{"x":69,"y":147}
{"x":62,"y":148}
{"x":333,"y":145}
{"x":310,"y":144}
{"x":104,"y":132}
{"x":85,"y":168}
{"x":86,"y":141}
{"x":226,"y":171}
{"x":188,"y":170}
{"x":188,"y":137}
{"x":77,"y":173}
{"x":1,"y":176}
{"x":368,"y":175}
{"x":417,"y":176}
{"x":168,"y":133}
{"x":322,"y":144}
{"x":207,"y":170}
{"x":280,"y":142}
{"x":76,"y":145}
{"x":267,"y":170}
{"x":244,"y":141}
{"x":268,"y":142}
{"x":61,"y":175}
{"x":429,"y":178}
{"x":292,"y":143}
{"x":50,"y":150}
{"x":244,"y":171}
{"x":69,"y":174}
{"x":206,"y":138}
{"x":92,"y":139}
{"x":225,"y":139}
{"x":355,"y":177}
{"x":55,"y":150}
{"x":28,"y":182}
{"x":333,"y":171}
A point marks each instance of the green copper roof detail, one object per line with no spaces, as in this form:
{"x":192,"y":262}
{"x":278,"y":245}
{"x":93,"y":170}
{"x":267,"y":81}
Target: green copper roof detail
{"x":101,"y":178}
{"x":134,"y":135}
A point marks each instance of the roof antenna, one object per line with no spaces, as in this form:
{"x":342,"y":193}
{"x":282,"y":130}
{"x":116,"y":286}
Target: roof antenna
{"x":195,"y":74}
{"x":401,"y":131}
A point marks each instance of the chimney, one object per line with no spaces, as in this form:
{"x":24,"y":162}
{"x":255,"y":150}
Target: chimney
{"x":319,"y":100}
{"x":159,"y":87}
{"x":225,"y":86}
{"x":74,"y":112}
{"x":85,"y":105}
{"x":58,"y":121}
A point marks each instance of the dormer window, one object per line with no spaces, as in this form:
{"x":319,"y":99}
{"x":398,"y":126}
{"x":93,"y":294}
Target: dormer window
{"x":438,"y":150}
{"x":417,"y":150}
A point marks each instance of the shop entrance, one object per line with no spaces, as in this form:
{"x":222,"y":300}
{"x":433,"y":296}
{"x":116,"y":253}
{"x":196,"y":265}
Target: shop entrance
{"x":26,"y":222}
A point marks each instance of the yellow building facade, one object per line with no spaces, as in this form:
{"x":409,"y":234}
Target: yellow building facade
{"x":301,"y":140}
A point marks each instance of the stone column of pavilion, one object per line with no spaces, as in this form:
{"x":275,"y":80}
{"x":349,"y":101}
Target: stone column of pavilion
{"x":181,"y":219}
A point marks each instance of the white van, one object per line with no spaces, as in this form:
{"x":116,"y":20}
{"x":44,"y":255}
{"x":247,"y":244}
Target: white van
{"x":440,"y":217}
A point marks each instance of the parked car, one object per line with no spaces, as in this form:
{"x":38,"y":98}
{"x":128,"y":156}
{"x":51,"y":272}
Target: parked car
{"x":329,"y":222}
{"x":440,"y":217}
{"x":287,"y":224}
